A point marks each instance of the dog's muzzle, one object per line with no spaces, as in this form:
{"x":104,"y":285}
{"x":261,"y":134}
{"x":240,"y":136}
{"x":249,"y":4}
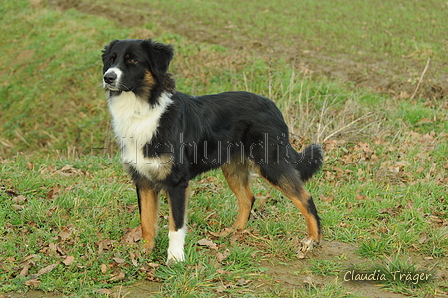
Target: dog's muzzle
{"x":111,"y":79}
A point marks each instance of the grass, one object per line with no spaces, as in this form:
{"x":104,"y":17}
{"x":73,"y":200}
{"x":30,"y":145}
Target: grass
{"x":68,"y":210}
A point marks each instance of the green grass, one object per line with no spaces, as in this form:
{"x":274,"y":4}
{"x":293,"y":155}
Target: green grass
{"x":382,"y":189}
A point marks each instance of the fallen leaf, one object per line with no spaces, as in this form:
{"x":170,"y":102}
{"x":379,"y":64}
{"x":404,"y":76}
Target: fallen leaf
{"x":119,"y":261}
{"x":19,"y":199}
{"x":68,"y":170}
{"x":394,"y":169}
{"x":239,"y":236}
{"x":424,"y":121}
{"x":224,"y":233}
{"x":104,"y":292}
{"x":65,"y":233}
{"x":222,"y":256}
{"x":361,"y":197}
{"x":29,"y":257}
{"x":47,"y":269}
{"x":242,"y":282}
{"x":423,"y":238}
{"x":103,"y":268}
{"x":53,"y":248}
{"x":51,"y":211}
{"x":133,"y":259}
{"x":132,"y":235}
{"x":17,"y":207}
{"x":104,"y":244}
{"x":33,"y":283}
{"x":53,"y":193}
{"x":365,"y":147}
{"x":68,"y":260}
{"x":326,"y":199}
{"x":210,"y":244}
{"x":29,"y":165}
{"x":25,"y":269}
{"x":118,"y":276}
{"x":153,"y":265}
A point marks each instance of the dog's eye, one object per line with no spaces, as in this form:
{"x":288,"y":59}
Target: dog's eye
{"x":133,"y":61}
{"x":113,"y":57}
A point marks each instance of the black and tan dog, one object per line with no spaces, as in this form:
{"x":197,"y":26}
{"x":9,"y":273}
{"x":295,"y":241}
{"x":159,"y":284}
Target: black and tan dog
{"x":167,"y":138}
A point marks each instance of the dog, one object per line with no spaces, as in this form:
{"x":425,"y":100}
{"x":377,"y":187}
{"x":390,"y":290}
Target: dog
{"x":167,"y":138}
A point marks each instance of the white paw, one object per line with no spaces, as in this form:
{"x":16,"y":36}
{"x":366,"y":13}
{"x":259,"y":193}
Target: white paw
{"x":175,"y":257}
{"x":176,"y":246}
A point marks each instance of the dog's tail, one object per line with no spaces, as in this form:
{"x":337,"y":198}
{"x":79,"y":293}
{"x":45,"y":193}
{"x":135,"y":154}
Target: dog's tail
{"x":309,"y":161}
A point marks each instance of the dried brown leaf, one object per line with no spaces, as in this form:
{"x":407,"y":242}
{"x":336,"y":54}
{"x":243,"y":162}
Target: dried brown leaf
{"x":361,"y":197}
{"x":242,"y":282}
{"x":153,"y":265}
{"x":25,"y":269}
{"x":118,"y":276}
{"x":17,"y":207}
{"x":68,"y":260}
{"x":119,"y":260}
{"x":47,"y":269}
{"x":105,"y":292}
{"x":222,"y":256}
{"x":210,"y":244}
{"x":103,"y":268}
{"x":31,"y":257}
{"x":33,"y":282}
{"x":53,"y":193}
{"x":104,"y":244}
{"x":65,"y":233}
{"x":20,"y":199}
{"x":133,"y":259}
{"x":326,"y":199}
{"x":132,"y":235}
{"x":29,"y":165}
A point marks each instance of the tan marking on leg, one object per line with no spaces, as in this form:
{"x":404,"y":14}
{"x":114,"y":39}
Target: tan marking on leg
{"x":293,"y":190}
{"x":302,"y":202}
{"x":237,"y":176}
{"x":149,"y":206}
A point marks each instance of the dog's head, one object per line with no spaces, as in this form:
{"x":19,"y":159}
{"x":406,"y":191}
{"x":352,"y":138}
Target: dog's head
{"x":139,"y":66}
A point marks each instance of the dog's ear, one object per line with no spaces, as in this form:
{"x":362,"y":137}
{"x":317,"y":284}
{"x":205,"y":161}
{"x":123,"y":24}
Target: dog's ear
{"x":159,"y":54}
{"x":107,"y":49}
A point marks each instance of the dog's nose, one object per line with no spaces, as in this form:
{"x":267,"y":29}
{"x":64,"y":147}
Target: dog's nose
{"x":110,"y":77}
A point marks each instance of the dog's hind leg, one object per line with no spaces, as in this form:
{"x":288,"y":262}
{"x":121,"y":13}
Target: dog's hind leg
{"x":287,"y":179}
{"x":238,"y":178}
{"x":177,"y":200}
{"x":148,"y":202}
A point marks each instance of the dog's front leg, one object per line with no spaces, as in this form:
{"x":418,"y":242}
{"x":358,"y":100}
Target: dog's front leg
{"x":177,"y":199}
{"x":148,"y":203}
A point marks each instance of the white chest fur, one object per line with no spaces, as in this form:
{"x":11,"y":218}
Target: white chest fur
{"x":135,"y":123}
